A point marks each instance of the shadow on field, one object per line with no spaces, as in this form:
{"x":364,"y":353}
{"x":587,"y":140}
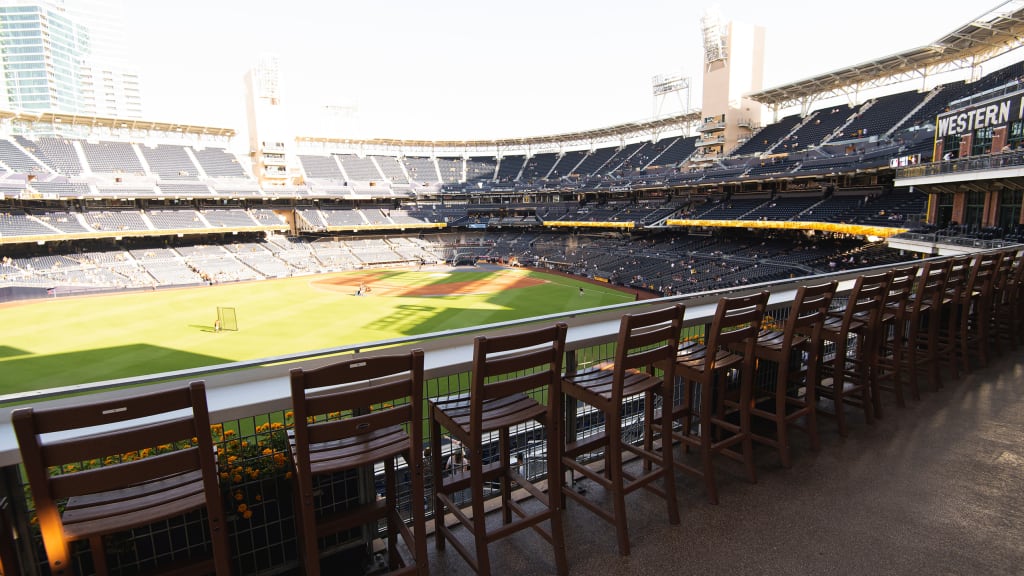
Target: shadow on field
{"x":203,"y":327}
{"x":96,"y":365}
{"x":406,"y":319}
{"x":9,"y":351}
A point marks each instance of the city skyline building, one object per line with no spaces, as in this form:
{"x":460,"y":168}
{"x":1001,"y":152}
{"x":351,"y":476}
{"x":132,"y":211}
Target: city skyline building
{"x":67,"y":56}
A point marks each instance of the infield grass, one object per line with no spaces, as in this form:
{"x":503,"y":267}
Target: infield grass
{"x":66,"y":341}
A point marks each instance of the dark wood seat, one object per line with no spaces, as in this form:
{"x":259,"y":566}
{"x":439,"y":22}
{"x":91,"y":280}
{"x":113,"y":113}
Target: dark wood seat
{"x":353,"y":415}
{"x":646,"y":343}
{"x":976,"y":310}
{"x":949,"y":329}
{"x":923,"y":325}
{"x":127,"y":493}
{"x":1005,"y":292}
{"x":1011,"y":317}
{"x":515,"y":384}
{"x":889,"y":367}
{"x":852,"y":333}
{"x":795,"y":352}
{"x":722,"y":408}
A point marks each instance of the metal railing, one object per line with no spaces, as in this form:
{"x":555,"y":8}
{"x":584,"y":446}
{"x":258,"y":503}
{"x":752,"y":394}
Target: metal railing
{"x":259,"y":505}
{"x":999,"y":161}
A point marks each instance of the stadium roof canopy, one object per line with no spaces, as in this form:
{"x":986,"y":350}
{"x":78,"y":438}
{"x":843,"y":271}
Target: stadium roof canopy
{"x":620,"y":132}
{"x":113,"y":124}
{"x":992,"y":34}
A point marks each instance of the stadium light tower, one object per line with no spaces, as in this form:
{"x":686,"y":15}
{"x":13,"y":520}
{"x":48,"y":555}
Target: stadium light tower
{"x":267,"y":123}
{"x":340,"y":119}
{"x":663,"y":87}
{"x":733,"y":67}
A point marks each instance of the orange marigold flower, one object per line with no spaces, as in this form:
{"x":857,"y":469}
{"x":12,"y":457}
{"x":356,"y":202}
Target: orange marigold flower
{"x":289,"y":414}
{"x":229,"y":433}
{"x":247,"y":514}
{"x":242,"y":507}
{"x":239,"y":496}
{"x":267,"y":451}
{"x":259,"y":498}
{"x":236,"y":478}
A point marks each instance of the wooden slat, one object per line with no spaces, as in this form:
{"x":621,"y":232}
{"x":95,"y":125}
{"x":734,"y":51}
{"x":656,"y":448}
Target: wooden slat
{"x":112,"y":443}
{"x":359,"y":425}
{"x":97,"y":414}
{"x":125,"y":474}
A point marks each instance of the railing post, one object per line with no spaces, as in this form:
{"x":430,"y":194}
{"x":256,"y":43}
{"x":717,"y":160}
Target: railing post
{"x":569,"y":412}
{"x":17,"y":549}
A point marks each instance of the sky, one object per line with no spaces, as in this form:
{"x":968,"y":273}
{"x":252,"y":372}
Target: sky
{"x":462,"y":70}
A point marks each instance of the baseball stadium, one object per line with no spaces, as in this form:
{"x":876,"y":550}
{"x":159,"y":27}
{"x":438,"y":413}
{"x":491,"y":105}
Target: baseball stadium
{"x":792,"y":314}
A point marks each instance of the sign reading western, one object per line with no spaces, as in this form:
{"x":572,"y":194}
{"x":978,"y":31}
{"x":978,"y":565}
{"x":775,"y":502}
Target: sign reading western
{"x":986,"y":115}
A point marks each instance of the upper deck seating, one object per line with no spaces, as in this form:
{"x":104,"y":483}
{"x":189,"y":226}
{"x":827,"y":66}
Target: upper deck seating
{"x":325,"y":167}
{"x":111,"y":157}
{"x":58,"y":153}
{"x":170,"y":162}
{"x":767,"y":136}
{"x":219,"y":163}
{"x":361,"y":169}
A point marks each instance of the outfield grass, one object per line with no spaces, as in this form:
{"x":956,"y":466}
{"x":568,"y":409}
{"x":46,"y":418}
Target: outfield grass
{"x":66,"y":341}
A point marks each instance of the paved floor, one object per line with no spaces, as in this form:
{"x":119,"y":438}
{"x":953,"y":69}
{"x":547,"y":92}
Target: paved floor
{"x":935,"y":488}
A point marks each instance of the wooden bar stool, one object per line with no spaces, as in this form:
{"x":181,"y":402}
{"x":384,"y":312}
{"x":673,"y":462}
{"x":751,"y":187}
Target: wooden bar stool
{"x":795,"y":351}
{"x":924,"y":321}
{"x":976,"y":309}
{"x":377,"y":403}
{"x":646,"y":343}
{"x":853,"y":331}
{"x":1004,"y":293}
{"x":704,"y":370}
{"x":949,"y":330}
{"x":511,"y":378}
{"x":130,"y":492}
{"x":890,"y":368}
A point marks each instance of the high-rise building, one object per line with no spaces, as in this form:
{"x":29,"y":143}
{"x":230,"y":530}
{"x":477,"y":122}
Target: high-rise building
{"x":110,"y":84}
{"x":64,"y":56}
